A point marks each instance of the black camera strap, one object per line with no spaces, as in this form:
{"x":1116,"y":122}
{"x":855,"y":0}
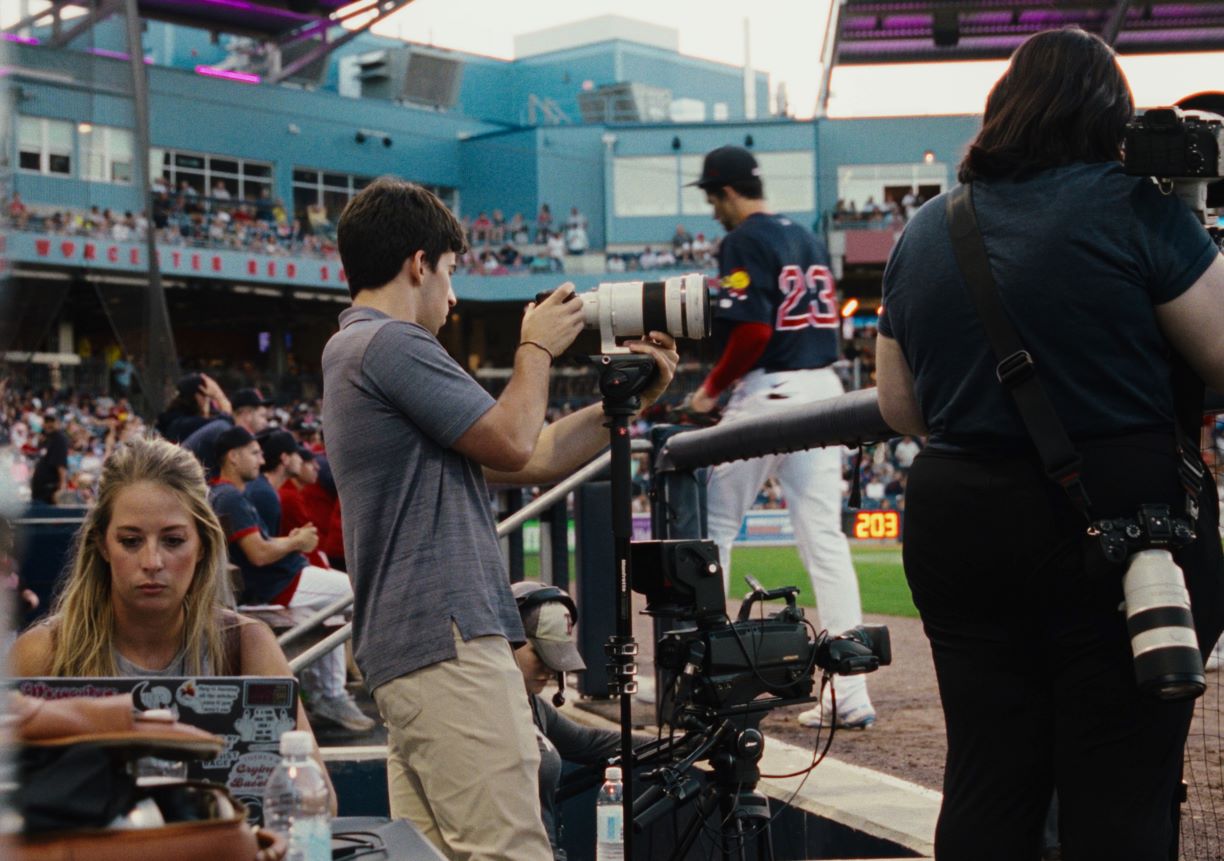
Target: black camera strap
{"x":1015,"y":368}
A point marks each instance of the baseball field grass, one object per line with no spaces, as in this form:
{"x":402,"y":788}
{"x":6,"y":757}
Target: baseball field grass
{"x":881,"y":580}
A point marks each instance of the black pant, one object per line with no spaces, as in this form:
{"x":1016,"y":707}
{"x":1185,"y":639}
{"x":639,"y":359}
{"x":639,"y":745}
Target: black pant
{"x":1033,"y":658}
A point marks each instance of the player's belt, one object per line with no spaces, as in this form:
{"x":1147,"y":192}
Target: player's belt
{"x":771,"y":369}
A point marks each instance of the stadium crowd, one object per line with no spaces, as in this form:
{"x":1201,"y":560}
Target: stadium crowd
{"x":496,"y":246}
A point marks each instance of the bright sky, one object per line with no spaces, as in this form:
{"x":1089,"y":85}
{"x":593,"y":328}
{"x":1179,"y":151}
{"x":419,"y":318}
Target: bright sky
{"x":786,"y":40}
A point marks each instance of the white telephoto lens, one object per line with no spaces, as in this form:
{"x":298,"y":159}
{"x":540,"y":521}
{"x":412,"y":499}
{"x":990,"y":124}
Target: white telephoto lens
{"x":679,"y":306}
{"x":1161,"y":627}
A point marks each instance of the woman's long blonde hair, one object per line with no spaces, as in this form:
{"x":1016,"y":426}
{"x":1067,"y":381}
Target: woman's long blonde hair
{"x":84,"y":620}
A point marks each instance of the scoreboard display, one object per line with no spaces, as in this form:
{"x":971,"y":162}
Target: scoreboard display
{"x":881,"y":525}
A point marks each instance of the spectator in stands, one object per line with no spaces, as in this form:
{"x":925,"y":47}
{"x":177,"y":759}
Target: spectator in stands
{"x":648,"y":259}
{"x":480,"y":229}
{"x":322,"y":506}
{"x":147,"y":594}
{"x":281,"y":462}
{"x":576,"y":220}
{"x":556,"y":252}
{"x":51,"y":471}
{"x":122,"y":229}
{"x":544,"y":221}
{"x":275,"y":571}
{"x":517,"y":230}
{"x":497,"y":228}
{"x":18,"y":212}
{"x":615,"y":263}
{"x":191,"y":408}
{"x":576,"y":241}
{"x":162,"y":207}
{"x":219,"y":191}
{"x":909,"y":203}
{"x":249,"y":409}
{"x":316,"y":218}
{"x":701,"y":251}
{"x":682,"y":244}
{"x":293,"y":511}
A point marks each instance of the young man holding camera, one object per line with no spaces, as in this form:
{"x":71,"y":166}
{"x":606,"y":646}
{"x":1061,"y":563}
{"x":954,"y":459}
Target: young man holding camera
{"x":412,"y":439}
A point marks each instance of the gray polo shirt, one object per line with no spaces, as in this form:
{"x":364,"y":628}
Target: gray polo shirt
{"x":419,"y":536}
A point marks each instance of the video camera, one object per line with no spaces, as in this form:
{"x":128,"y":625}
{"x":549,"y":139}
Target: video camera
{"x":714,"y":667}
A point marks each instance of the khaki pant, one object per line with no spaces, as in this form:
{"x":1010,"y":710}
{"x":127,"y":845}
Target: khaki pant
{"x":462,"y":761}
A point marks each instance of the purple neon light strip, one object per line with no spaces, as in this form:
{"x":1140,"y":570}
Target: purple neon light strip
{"x":242,"y":77}
{"x":21,"y":40}
{"x":243,"y":5}
{"x":115,"y":55}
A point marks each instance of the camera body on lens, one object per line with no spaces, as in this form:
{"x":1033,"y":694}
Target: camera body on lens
{"x":710,"y":665}
{"x":1168,"y":143}
{"x":1184,"y":153}
{"x":1168,"y":664}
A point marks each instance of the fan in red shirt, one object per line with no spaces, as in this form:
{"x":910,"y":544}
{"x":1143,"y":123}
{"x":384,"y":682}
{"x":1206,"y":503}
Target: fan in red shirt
{"x":305,"y":499}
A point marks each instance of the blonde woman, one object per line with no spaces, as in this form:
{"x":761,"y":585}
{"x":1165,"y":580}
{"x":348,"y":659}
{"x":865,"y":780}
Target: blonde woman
{"x":147,"y":594}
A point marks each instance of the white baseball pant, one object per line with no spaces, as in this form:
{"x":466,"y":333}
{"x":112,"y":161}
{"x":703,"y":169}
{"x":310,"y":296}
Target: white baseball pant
{"x":811,"y":483}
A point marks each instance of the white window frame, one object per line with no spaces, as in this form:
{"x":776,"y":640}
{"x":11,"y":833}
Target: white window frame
{"x":160,"y":166}
{"x":101,"y":143}
{"x":45,"y":150}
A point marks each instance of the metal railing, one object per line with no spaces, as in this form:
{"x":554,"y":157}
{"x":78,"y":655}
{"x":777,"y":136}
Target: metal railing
{"x":537,"y":506}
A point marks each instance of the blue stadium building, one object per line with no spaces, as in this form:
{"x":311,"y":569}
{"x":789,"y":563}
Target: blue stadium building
{"x":253,"y":157}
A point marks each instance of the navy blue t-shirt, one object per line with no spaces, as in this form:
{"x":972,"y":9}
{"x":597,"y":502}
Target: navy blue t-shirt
{"x":776,"y":272}
{"x":261,"y":494}
{"x":238,"y":519}
{"x":1081,"y":254}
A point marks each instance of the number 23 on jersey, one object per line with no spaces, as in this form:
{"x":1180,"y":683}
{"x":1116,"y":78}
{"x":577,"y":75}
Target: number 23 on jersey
{"x":817,"y":285}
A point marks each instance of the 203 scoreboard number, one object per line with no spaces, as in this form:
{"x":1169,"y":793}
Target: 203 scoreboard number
{"x":880,"y":525}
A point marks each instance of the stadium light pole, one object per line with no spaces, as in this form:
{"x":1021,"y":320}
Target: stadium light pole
{"x":609,"y":142}
{"x":160,"y":361}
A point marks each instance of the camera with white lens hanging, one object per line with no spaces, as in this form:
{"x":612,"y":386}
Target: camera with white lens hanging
{"x":1168,"y":664}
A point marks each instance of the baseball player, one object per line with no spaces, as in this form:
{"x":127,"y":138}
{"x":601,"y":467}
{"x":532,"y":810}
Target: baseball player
{"x":777,"y":317}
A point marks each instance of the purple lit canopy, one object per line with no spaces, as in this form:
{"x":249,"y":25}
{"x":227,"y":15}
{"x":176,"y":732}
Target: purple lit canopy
{"x":902,"y":31}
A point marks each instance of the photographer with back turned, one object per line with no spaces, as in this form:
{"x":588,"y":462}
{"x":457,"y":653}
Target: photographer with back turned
{"x":1105,"y":281}
{"x":777,"y":318}
{"x":412,"y":440}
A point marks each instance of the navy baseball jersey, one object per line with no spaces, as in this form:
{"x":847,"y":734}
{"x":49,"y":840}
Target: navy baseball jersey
{"x":774,"y":271}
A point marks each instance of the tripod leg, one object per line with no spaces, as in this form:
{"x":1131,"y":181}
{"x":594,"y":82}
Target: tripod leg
{"x":705,"y":805}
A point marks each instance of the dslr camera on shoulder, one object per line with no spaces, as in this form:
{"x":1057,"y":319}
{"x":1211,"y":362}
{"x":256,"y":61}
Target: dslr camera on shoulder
{"x":1184,"y":152}
{"x":1168,"y":664}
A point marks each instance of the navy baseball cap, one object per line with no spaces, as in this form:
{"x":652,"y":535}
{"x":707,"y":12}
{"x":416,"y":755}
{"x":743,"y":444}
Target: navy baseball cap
{"x":249,"y":398}
{"x":727,"y":165}
{"x":235,"y":437}
{"x":274,"y":444}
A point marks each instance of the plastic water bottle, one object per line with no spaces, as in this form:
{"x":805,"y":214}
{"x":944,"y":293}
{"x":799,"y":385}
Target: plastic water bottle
{"x":610,"y":818}
{"x":296,"y":801}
